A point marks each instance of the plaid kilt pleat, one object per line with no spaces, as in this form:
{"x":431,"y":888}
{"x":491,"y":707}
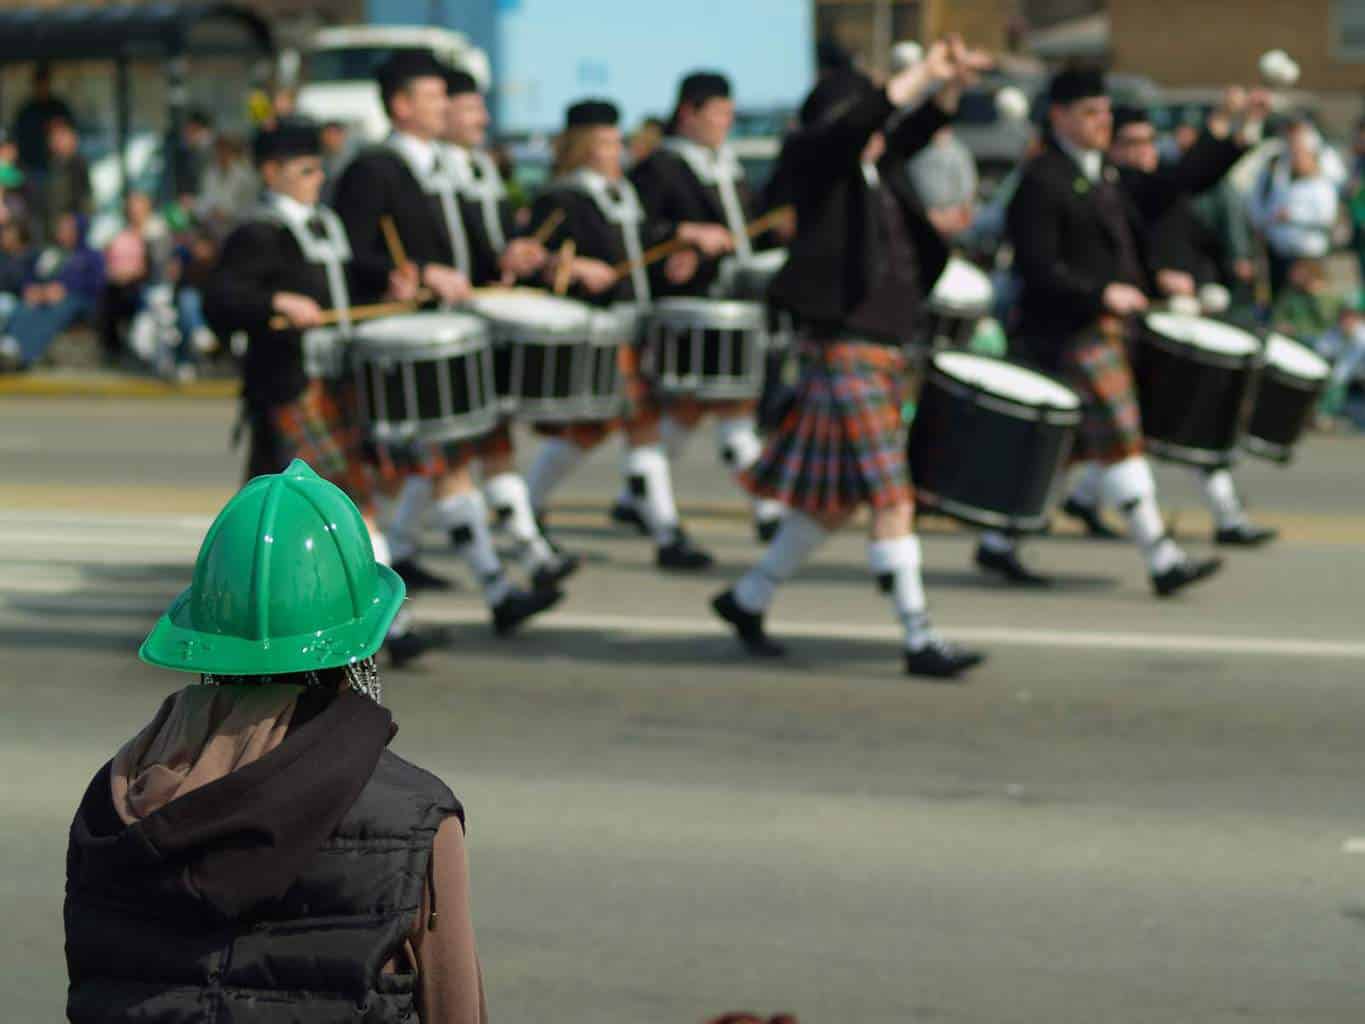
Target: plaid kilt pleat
{"x":841,"y":443}
{"x":1096,"y":367}
{"x":319,"y":427}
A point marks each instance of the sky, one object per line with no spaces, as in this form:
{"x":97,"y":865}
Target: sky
{"x":551,"y":52}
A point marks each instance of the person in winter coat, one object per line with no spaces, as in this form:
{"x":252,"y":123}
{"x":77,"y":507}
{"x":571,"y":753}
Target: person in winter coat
{"x":257,"y":852}
{"x":61,"y":286}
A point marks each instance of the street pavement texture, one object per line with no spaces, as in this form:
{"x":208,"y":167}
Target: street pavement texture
{"x":1137,"y":811}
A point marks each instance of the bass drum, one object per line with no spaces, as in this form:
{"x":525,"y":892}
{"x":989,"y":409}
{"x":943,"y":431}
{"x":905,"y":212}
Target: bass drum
{"x":1196,"y":379}
{"x":1292,"y":381}
{"x":990,"y":440}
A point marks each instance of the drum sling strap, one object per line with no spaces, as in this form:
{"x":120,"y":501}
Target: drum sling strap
{"x":718,"y":169}
{"x":619,"y":203}
{"x":438,"y":181}
{"x":476,"y":178}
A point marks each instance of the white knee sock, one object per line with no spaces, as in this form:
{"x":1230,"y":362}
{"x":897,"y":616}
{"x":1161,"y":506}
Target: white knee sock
{"x":1000,"y":543}
{"x":1221,"y":494}
{"x":1087,"y":484}
{"x":739,"y":446}
{"x":651,"y":488}
{"x":510,"y":499}
{"x":466,"y":517}
{"x":555,"y":459}
{"x":797,"y":538}
{"x":896,"y":563}
{"x":1130,"y":486}
{"x":405,"y":525}
{"x":675,"y":436}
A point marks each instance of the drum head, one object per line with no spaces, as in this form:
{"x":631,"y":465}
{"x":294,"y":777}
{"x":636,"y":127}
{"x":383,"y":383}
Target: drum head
{"x":766,"y":263}
{"x":961,"y":286}
{"x":540,"y":312}
{"x":1199,"y":332}
{"x":1004,"y":380}
{"x":716,"y":314}
{"x":441,"y":332}
{"x":1295,"y":359}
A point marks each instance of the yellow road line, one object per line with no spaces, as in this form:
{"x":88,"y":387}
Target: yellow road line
{"x":99,"y":385}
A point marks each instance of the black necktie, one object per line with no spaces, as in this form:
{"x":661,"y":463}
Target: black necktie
{"x":316,"y":227}
{"x":614,"y":194}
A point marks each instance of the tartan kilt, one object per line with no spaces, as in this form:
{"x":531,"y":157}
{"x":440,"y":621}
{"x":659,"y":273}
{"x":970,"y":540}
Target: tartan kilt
{"x":319,"y":427}
{"x":841,"y":443}
{"x":436,"y":459}
{"x":1096,"y":367}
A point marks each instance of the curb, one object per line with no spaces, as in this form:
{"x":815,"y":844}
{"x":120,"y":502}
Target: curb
{"x":58,"y":385}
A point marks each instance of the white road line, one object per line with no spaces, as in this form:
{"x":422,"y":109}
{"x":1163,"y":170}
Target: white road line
{"x":37,"y":596}
{"x":28,"y":517}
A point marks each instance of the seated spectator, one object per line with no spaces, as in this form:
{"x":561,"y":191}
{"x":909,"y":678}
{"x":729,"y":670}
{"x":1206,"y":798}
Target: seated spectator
{"x":14,"y":263}
{"x":230,"y":188}
{"x":65,"y":188}
{"x":136,"y":256}
{"x":189,"y":155}
{"x":1308,"y":309}
{"x":61,"y":287}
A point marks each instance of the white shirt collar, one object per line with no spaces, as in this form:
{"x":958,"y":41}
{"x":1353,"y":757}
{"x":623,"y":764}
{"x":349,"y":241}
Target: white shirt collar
{"x":1090,"y":161}
{"x":708,"y":164}
{"x":420,"y":153}
{"x":290,"y":209}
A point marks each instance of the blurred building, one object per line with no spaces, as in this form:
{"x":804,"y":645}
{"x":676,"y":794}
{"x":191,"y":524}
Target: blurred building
{"x":867,"y":29}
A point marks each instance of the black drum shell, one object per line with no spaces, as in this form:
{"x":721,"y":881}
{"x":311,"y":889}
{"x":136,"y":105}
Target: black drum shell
{"x":986,"y":460}
{"x":1283,"y":408}
{"x":1195,"y":404}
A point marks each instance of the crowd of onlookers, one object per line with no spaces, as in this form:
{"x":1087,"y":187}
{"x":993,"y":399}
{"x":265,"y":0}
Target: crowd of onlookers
{"x":138,"y":288}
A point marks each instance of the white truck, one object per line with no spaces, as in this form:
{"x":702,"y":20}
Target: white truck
{"x":338,"y":75}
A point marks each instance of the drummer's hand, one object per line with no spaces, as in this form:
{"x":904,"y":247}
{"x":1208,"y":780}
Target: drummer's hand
{"x":594,"y":275}
{"x":449,"y":284}
{"x":403,"y":283}
{"x":712,"y":239}
{"x":1174,"y":282}
{"x":1123,"y":299}
{"x":681,"y":267}
{"x":301,"y":311}
{"x":522,"y":257}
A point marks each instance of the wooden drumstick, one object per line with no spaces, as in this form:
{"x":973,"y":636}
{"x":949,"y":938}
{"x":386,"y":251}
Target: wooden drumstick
{"x":564,"y":271}
{"x":391,"y":239}
{"x":663,"y":250}
{"x":280,"y":322}
{"x":547,"y":227}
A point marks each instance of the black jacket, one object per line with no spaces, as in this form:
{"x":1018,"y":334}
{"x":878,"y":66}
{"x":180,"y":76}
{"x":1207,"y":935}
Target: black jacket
{"x":1181,"y":240}
{"x":836,"y":248}
{"x":259,"y":259}
{"x":275,"y":893}
{"x":1066,"y":252}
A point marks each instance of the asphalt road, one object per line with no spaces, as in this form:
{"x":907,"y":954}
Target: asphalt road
{"x":1136,"y":812}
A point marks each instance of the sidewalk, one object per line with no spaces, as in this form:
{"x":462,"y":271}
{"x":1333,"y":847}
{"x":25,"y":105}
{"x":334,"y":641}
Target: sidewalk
{"x":110,"y":384}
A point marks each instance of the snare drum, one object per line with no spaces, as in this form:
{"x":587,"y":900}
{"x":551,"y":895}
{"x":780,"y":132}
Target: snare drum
{"x":424,"y":377}
{"x":1291,"y":383}
{"x":612,"y":330}
{"x":542,"y":352}
{"x":990,"y":440}
{"x":1195,"y":380}
{"x":708,"y":348}
{"x":961,"y":296}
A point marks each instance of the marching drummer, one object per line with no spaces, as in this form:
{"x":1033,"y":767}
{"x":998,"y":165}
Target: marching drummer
{"x":1187,"y":256}
{"x":1078,"y":229}
{"x":857,"y":294}
{"x":694,"y":177}
{"x":408,"y":183}
{"x":597,"y":209}
{"x":276,"y":275}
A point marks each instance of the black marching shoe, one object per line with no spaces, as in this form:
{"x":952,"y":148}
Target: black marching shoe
{"x":939,"y":659}
{"x":681,"y":555}
{"x":518,"y":606}
{"x":766,"y":529}
{"x":417,"y":578}
{"x":1183,"y":573}
{"x":624,"y":513}
{"x":405,"y":648}
{"x":1245,"y":535}
{"x":549,"y":577}
{"x":1009,"y":567}
{"x":748,"y":626}
{"x":1089,"y":517}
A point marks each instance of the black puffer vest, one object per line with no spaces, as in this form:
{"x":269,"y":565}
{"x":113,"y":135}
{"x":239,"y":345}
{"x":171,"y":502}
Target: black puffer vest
{"x":148,"y":938}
